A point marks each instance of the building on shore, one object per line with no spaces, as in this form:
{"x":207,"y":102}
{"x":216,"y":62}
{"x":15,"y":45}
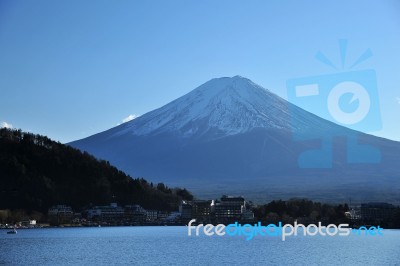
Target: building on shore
{"x":172,"y":218}
{"x":161,"y":215}
{"x":203,"y":210}
{"x":151,"y":216}
{"x":108,"y":213}
{"x":227,"y":209}
{"x":60,"y":214}
{"x":354,"y":214}
{"x":186,"y":210}
{"x":28,"y":223}
{"x":135,"y":213}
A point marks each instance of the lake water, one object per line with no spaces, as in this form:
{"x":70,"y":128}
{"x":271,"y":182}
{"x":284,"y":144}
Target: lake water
{"x":167,"y":245}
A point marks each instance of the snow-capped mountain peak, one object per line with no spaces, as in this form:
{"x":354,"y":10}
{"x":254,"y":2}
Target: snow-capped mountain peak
{"x":232,"y":135}
{"x":226,"y":105}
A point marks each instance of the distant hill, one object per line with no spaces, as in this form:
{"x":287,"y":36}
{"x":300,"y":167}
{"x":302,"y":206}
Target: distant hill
{"x":36,"y":173}
{"x":231,"y":136}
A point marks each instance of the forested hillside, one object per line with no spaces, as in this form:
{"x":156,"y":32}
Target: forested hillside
{"x":36,"y":173}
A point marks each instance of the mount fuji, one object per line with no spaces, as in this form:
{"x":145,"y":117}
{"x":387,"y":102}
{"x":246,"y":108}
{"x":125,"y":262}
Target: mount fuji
{"x":231,"y":136}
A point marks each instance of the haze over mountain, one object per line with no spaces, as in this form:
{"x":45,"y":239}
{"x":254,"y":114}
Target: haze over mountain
{"x":230,"y":135}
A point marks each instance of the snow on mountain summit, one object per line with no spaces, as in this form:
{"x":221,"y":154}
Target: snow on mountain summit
{"x":231,"y":135}
{"x":228,"y":105}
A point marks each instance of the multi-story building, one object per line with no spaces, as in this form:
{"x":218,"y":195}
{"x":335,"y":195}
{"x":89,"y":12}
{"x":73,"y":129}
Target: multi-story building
{"x":186,"y":210}
{"x":354,"y":214}
{"x":229,"y":208}
{"x":161,"y":215}
{"x":202,"y":210}
{"x":60,"y":214}
{"x":107,"y":213}
{"x":135,"y":213}
{"x":151,"y":216}
{"x":28,"y":223}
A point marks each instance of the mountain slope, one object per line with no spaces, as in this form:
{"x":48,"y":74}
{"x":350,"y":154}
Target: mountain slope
{"x":230,"y":135}
{"x":36,"y":173}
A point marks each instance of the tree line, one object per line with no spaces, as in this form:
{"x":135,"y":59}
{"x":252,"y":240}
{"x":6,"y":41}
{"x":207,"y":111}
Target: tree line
{"x":37,"y":173}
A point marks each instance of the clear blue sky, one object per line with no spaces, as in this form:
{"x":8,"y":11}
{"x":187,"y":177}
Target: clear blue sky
{"x":69,"y":69}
